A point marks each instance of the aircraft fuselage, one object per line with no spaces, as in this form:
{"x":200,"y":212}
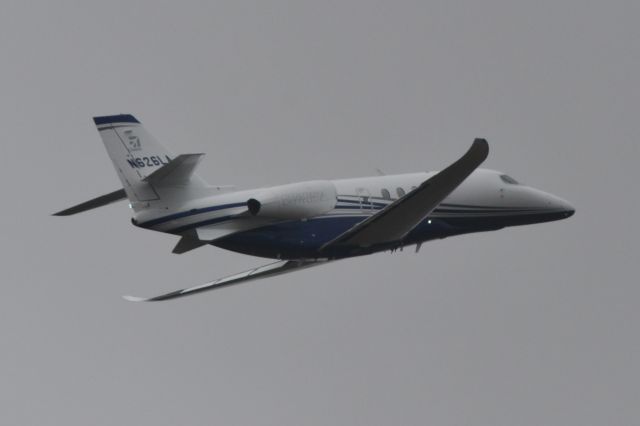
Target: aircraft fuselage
{"x":487,"y":200}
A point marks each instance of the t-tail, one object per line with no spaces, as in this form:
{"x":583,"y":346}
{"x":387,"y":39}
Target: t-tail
{"x":152,"y":177}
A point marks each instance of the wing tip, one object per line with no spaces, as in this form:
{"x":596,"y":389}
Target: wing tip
{"x":482,"y":146}
{"x":482,"y":142}
{"x":135,"y":299}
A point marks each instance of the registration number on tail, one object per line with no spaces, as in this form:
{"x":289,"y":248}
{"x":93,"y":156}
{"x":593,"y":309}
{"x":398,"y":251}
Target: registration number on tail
{"x":150,"y":161}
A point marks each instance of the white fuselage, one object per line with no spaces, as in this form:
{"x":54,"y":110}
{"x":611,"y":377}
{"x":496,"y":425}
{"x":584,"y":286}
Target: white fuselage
{"x":486,"y":200}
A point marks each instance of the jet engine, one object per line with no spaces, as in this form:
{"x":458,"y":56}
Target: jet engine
{"x":294,"y":201}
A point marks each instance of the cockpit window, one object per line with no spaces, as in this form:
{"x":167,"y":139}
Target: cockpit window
{"x":508,"y":179}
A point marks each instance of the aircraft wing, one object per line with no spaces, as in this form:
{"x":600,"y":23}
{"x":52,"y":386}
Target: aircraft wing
{"x":397,"y":219}
{"x":272,"y":269}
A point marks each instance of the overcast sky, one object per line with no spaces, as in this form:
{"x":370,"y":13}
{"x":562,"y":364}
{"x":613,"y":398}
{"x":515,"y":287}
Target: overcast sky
{"x":531,"y":326}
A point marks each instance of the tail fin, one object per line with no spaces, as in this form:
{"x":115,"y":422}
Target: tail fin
{"x":136,"y":155}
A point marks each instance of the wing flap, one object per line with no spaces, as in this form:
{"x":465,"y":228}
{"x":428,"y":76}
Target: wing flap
{"x":397,"y":219}
{"x":272,"y":269}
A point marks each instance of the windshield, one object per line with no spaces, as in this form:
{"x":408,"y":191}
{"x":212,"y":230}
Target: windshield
{"x":508,"y":179}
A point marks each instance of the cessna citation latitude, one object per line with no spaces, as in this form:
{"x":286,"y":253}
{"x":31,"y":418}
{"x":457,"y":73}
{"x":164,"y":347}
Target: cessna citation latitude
{"x":308,"y":223}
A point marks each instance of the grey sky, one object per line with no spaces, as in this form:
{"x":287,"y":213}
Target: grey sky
{"x":525,"y":326}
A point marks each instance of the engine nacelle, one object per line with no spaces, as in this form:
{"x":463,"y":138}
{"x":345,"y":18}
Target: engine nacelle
{"x":294,"y":201}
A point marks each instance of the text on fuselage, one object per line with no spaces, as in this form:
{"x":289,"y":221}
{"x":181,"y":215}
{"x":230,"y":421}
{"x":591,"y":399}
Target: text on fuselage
{"x":301,"y":198}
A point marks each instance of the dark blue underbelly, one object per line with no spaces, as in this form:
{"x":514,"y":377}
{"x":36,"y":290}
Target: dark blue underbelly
{"x":303,"y":239}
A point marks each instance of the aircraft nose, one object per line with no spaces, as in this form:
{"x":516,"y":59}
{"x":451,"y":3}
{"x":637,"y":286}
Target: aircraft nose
{"x":550,"y":203}
{"x":542,"y":206}
{"x":569,"y":210}
{"x":561,"y":205}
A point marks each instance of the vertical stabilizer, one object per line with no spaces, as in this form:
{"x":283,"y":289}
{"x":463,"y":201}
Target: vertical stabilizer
{"x":134,"y":152}
{"x":136,"y":155}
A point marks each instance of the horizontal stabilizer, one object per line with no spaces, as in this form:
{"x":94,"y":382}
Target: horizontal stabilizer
{"x":177,"y":172}
{"x":101,"y":201}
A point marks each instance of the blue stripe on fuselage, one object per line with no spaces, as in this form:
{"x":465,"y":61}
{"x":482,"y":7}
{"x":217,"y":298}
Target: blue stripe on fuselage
{"x":192,"y":212}
{"x":364,"y":208}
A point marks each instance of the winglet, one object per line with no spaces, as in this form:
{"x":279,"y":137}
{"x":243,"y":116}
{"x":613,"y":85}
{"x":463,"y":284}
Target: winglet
{"x":482,"y":146}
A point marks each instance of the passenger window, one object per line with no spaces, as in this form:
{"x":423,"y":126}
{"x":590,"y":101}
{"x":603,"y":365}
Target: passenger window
{"x":400,"y":192}
{"x":385,"y":194}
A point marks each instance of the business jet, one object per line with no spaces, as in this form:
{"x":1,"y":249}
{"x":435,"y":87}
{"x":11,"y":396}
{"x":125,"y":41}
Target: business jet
{"x":308,"y":223}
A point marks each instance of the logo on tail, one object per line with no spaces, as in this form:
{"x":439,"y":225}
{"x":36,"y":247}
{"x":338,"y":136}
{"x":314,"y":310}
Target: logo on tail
{"x":134,"y":141}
